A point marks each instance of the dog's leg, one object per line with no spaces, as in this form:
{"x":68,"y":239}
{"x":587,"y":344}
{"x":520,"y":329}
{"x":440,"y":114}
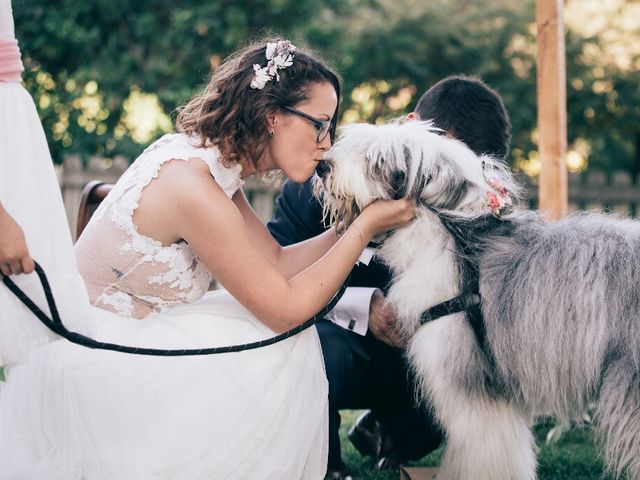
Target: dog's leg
{"x":618,"y":418}
{"x":486,"y":438}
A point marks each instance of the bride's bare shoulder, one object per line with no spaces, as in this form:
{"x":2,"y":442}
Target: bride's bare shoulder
{"x":185,"y":179}
{"x":182,"y":191}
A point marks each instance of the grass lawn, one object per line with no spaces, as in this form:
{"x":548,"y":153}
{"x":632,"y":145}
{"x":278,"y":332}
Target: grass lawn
{"x":572,"y":457}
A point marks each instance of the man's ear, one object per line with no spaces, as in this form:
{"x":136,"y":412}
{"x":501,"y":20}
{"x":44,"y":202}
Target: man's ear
{"x":413,"y":116}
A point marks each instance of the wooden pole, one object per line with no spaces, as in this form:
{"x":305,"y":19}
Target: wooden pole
{"x":552,"y":108}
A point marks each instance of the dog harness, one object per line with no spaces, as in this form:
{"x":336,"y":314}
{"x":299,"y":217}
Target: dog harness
{"x":469,"y":301}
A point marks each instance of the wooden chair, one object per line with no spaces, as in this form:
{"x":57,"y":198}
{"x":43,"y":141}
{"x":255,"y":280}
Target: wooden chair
{"x":92,"y":195}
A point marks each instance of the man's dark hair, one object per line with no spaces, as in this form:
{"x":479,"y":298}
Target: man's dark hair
{"x":470,"y":111}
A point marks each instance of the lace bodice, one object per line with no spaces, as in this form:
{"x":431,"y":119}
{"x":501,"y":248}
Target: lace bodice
{"x":132,"y":274}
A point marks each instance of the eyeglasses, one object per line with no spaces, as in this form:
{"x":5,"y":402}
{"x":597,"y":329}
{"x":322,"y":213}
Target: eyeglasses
{"x":323,"y":126}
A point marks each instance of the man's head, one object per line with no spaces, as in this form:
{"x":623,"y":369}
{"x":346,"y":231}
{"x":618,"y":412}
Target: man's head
{"x":470,"y":111}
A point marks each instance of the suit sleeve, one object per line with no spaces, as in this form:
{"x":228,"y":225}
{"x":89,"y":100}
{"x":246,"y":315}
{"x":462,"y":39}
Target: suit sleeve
{"x":298,"y":214}
{"x":298,"y":217}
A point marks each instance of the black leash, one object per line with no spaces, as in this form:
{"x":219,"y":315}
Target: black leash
{"x":55,"y":324}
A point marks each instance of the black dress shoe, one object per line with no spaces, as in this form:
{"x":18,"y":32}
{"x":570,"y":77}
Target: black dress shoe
{"x":365,"y":435}
{"x":339,"y":474}
{"x":368,"y":437}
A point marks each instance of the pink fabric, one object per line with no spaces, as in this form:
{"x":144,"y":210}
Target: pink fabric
{"x":11,"y":67}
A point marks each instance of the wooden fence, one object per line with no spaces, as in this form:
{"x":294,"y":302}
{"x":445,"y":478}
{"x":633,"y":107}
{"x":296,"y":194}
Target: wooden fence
{"x":617,"y":192}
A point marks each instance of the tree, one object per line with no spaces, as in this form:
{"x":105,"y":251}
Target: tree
{"x":390,"y":52}
{"x":84,"y":61}
{"x":101,"y":70}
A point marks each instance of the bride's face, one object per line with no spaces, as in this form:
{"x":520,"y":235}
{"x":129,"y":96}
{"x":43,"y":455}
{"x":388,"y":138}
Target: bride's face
{"x":294,"y":147}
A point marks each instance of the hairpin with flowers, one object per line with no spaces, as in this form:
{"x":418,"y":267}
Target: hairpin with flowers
{"x":279,"y":56}
{"x":497,"y":199}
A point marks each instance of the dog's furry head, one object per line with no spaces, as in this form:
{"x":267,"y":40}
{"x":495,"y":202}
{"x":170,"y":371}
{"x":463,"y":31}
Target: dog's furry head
{"x":406,"y":160}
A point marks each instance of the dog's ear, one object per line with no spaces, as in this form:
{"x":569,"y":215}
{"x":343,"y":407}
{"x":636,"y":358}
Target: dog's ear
{"x":449,"y":186}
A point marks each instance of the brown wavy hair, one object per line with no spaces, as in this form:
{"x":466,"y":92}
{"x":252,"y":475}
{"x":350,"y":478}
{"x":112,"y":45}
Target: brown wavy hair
{"x":233,"y":116}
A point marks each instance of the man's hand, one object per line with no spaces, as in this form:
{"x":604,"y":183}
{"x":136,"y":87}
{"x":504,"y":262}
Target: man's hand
{"x":383,"y":321}
{"x":14,"y":255}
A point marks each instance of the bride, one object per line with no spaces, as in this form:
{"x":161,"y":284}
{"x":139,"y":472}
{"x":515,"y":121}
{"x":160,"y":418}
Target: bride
{"x":176,"y":218}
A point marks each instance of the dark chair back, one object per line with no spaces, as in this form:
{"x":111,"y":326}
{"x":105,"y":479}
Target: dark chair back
{"x":92,"y":195}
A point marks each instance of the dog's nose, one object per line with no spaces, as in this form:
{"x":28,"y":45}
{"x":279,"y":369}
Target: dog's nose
{"x":322,"y":168}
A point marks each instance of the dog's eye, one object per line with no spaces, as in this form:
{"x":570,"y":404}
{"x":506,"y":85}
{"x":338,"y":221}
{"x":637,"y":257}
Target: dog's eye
{"x":375,"y":166}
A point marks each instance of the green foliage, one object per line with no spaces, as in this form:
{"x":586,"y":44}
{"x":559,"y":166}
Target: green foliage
{"x":157,"y":46}
{"x":387,"y":51}
{"x":415,"y":44}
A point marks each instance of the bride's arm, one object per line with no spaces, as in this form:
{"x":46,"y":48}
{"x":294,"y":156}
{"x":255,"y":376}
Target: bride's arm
{"x":201,"y":213}
{"x":288,"y":260}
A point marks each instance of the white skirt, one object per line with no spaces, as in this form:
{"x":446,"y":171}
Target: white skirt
{"x":71,"y":413}
{"x":75,"y":413}
{"x":30,"y":193}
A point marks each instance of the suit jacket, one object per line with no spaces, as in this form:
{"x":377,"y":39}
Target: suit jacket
{"x":299,"y":217}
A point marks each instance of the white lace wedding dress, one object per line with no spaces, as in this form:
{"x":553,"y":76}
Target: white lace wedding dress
{"x":73,"y":413}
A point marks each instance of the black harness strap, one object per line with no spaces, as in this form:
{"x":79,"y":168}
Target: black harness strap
{"x":471,"y":305}
{"x":459,"y":304}
{"x":470,"y":300}
{"x":55,"y":324}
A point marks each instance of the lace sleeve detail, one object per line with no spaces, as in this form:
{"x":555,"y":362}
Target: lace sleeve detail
{"x":141,"y":273}
{"x":123,"y":200}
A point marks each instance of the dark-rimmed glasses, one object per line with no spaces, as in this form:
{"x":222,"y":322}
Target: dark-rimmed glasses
{"x":322,"y":126}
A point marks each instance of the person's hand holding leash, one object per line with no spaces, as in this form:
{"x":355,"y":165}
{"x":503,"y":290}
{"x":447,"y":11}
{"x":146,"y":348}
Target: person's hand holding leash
{"x":14,"y":254}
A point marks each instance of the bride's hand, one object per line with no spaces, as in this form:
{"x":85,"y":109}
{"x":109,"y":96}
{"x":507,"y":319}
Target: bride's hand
{"x":14,"y":255}
{"x":384,"y":215}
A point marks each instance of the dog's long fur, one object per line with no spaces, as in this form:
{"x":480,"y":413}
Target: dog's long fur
{"x":560,"y":302}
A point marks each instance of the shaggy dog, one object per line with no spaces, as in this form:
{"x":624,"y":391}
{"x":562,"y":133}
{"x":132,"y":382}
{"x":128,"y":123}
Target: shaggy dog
{"x":557,"y":324}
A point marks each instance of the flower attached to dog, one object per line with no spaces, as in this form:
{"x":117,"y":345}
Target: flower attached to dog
{"x":497,"y":198}
{"x":279,"y":56}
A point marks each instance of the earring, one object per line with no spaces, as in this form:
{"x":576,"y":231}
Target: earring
{"x":271,"y":133}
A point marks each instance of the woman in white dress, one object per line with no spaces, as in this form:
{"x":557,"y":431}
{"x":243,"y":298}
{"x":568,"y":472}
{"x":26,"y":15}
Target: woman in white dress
{"x":31,"y":195}
{"x":175,"y":218}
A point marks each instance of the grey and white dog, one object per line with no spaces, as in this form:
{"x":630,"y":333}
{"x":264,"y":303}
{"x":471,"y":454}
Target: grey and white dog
{"x":560,"y":301}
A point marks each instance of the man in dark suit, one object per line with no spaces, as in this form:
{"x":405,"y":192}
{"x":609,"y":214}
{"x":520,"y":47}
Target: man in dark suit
{"x":363,"y":354}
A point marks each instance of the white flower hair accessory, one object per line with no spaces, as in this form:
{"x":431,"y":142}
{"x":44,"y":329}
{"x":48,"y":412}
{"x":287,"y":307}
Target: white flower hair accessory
{"x":279,"y":56}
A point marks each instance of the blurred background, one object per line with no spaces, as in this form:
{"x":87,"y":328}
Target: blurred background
{"x":107,"y":75}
